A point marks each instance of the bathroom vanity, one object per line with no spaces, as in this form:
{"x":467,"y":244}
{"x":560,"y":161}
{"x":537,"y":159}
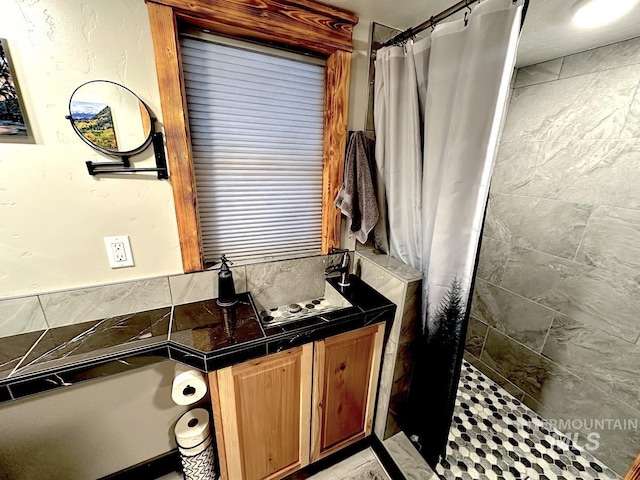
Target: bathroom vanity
{"x":315,"y":399}
{"x":310,"y":382}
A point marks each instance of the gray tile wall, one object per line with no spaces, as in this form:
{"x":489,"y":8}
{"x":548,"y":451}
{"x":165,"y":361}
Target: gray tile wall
{"x":556,"y":307}
{"x":271,"y":283}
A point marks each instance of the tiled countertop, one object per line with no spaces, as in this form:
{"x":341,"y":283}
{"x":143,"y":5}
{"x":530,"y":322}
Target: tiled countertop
{"x":200,"y":334}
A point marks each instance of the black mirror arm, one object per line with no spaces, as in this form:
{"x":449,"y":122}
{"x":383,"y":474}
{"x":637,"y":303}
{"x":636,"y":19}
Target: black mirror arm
{"x":124,"y":166}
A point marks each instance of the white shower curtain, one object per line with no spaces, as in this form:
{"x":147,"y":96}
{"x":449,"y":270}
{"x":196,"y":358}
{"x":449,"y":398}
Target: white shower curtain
{"x":460,"y":83}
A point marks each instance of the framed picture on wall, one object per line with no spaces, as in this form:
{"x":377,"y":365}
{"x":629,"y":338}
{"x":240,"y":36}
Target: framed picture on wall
{"x":14,"y":125}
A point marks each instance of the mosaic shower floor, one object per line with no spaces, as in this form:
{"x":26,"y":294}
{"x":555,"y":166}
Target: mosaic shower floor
{"x":494,"y":436}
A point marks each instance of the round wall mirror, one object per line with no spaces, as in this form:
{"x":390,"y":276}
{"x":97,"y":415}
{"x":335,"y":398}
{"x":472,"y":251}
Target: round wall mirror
{"x":110,"y":118}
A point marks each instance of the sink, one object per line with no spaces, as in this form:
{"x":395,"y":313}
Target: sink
{"x":331,"y":301}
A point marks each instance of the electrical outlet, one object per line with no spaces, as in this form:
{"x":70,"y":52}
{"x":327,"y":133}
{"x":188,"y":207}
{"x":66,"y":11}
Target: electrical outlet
{"x":119,"y":251}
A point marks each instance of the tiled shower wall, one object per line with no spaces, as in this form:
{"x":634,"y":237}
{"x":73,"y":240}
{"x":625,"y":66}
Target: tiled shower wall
{"x":556,"y":306}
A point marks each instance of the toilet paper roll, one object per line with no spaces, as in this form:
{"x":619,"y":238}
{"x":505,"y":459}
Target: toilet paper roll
{"x":189,"y":385}
{"x":193,"y":432}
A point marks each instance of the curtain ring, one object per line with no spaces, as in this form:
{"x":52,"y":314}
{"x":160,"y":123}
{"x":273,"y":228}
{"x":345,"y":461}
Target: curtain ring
{"x":466,"y":13}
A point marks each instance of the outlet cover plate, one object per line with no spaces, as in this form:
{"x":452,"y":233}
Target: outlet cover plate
{"x":119,"y":251}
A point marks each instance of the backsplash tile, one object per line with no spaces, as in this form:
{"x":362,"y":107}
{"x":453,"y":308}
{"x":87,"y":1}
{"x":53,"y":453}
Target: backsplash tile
{"x":21,"y":315}
{"x":94,"y":303}
{"x":194,"y":287}
{"x":278,"y":283}
{"x":191,"y":287}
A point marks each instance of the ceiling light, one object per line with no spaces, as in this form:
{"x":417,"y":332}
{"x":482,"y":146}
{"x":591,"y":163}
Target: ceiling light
{"x":594,"y":13}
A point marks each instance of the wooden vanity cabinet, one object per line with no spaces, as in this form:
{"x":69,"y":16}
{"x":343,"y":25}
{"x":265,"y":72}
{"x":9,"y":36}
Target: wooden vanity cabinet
{"x":261,"y":412}
{"x":275,"y":414}
{"x":345,"y":379}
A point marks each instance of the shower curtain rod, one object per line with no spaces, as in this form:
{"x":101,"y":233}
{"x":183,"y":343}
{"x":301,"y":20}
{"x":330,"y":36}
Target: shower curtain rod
{"x":453,"y":9}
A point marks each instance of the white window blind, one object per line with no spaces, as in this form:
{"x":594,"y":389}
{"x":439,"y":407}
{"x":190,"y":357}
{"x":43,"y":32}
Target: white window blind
{"x":256,"y":131}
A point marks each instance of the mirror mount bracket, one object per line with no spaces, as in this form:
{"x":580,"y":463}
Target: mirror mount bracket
{"x":124,"y":166}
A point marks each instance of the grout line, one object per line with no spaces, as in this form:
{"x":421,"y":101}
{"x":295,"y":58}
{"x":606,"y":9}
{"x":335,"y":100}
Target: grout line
{"x":584,"y":74}
{"x":544,"y":82}
{"x":567,"y":260}
{"x":170,"y":292}
{"x":170,"y":323}
{"x":44,"y":314}
{"x":559,"y":367}
{"x":506,"y":264}
{"x":561,"y":67}
{"x":626,"y":117}
{"x":556,"y":312}
{"x":544,"y":342}
{"x":567,"y":201}
{"x":524,"y":298}
{"x":584,"y":234}
{"x":484,"y":340}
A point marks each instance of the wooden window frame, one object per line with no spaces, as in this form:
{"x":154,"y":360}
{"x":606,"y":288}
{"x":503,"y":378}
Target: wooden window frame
{"x":303,"y":25}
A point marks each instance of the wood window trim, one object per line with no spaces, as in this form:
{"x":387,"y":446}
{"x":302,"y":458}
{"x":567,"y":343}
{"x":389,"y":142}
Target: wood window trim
{"x":303,"y":25}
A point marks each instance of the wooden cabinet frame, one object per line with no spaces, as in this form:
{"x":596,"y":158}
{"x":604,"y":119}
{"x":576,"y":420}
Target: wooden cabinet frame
{"x":303,"y":25}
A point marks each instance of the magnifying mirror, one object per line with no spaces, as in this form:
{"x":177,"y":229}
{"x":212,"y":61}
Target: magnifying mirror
{"x":114,"y":121}
{"x":110,"y":118}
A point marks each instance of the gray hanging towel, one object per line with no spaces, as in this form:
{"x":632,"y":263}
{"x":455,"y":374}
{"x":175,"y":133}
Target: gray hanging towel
{"x":356,"y":199}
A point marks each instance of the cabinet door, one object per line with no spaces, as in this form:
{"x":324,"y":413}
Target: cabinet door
{"x":262,"y":415}
{"x":346,"y":369}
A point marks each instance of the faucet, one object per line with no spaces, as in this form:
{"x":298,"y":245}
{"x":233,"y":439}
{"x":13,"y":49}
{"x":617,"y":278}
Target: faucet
{"x":342,"y":267}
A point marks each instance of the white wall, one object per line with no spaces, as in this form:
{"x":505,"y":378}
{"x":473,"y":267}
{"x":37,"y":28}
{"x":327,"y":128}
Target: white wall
{"x":53,"y":215}
{"x":92,"y":429}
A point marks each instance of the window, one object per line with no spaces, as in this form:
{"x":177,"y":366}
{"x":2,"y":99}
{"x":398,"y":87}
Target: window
{"x":305,"y":26}
{"x":256,"y":123}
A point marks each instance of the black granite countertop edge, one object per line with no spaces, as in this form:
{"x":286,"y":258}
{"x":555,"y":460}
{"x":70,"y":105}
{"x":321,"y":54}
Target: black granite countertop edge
{"x":117,"y":356}
{"x":369,"y":307}
{"x":65,"y":377}
{"x":185,"y":352}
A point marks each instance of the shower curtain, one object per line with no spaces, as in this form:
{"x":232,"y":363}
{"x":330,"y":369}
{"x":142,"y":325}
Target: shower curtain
{"x":438,"y":108}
